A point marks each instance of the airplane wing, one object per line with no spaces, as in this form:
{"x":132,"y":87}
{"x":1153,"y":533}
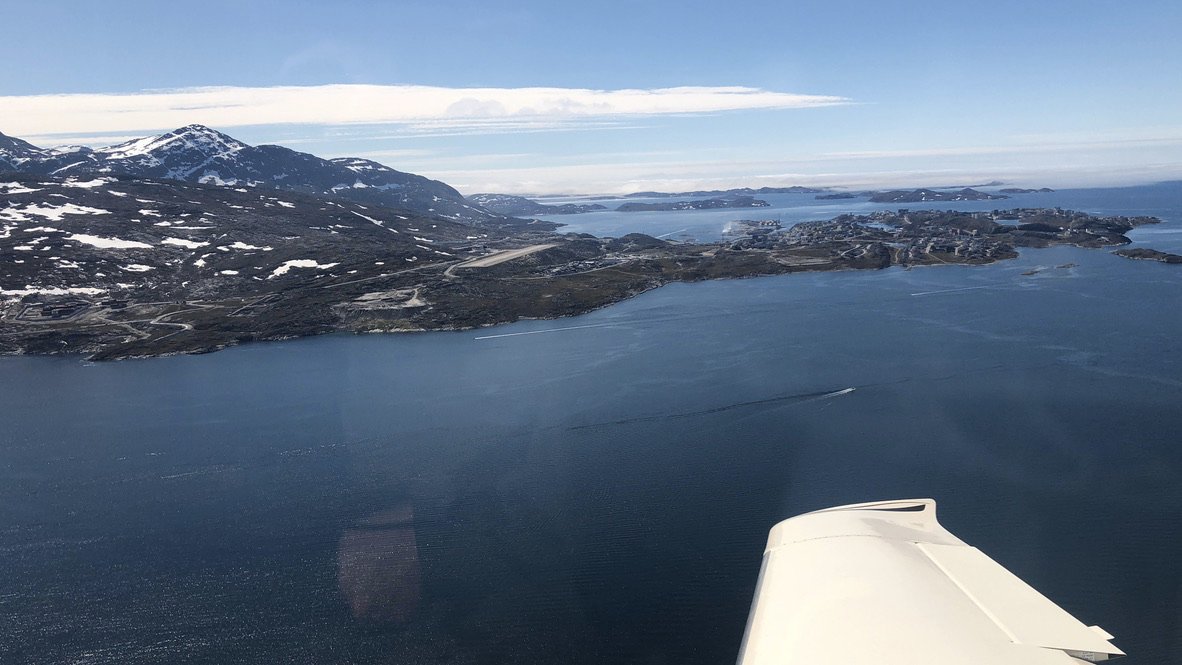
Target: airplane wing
{"x":883,"y":583}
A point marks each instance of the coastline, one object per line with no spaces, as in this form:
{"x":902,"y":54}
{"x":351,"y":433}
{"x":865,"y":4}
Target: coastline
{"x":566,"y":276}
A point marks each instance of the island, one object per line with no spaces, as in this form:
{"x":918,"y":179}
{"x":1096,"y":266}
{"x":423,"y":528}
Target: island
{"x":120,"y":268}
{"x":1019,"y":190}
{"x":921,"y":195}
{"x":1146,"y":254}
{"x":698,"y":204}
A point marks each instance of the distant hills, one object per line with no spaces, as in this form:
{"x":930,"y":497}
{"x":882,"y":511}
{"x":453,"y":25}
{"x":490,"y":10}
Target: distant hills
{"x":198,"y":154}
{"x":507,"y":204}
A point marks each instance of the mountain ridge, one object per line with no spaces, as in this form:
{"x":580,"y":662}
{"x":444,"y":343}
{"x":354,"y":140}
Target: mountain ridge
{"x":199,"y":154}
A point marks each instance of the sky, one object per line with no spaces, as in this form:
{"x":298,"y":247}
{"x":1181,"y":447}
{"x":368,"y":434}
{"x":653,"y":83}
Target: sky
{"x":610,"y":97}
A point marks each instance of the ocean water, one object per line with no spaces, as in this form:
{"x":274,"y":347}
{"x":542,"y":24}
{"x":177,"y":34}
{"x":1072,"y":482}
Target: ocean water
{"x":598,"y":489}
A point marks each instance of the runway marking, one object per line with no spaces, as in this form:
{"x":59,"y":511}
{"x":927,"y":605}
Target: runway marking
{"x":547,"y":330}
{"x":967,"y":288}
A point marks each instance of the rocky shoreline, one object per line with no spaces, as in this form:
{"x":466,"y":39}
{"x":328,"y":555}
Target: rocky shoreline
{"x":1147,"y":254}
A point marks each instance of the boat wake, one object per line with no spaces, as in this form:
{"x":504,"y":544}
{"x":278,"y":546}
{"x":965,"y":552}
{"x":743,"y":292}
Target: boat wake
{"x":798,"y":398}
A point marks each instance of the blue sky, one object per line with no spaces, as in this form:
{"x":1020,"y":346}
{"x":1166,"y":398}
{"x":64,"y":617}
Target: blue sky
{"x":542,"y":97}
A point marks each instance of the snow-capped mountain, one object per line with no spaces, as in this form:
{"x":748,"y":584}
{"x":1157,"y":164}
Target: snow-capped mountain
{"x":181,"y":154}
{"x":199,"y":154}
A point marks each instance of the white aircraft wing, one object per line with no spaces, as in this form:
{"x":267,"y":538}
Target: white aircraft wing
{"x":883,"y":583}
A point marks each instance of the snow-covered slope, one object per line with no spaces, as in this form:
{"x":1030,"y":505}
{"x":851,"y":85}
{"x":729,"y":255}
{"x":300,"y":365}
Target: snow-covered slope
{"x":117,"y":235}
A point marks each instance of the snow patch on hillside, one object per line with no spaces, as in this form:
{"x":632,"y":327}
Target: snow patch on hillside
{"x":108,"y":243}
{"x":181,"y":242}
{"x":299,"y":263}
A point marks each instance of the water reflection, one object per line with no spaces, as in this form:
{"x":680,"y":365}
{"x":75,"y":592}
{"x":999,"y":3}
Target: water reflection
{"x":378,"y":567}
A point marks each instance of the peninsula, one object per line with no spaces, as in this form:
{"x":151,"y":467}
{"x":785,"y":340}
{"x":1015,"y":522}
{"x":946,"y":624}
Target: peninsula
{"x":125,"y":267}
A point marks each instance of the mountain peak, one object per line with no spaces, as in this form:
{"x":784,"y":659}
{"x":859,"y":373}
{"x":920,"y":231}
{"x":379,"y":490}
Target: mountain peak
{"x":201,"y":130}
{"x":190,"y":138}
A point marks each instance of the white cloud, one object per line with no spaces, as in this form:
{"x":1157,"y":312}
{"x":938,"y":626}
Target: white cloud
{"x":429,"y":109}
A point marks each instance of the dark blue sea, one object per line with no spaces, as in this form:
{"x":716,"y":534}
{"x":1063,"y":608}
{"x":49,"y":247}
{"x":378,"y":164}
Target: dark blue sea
{"x":598,"y":489}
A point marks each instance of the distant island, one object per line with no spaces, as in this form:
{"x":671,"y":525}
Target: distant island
{"x":516,"y":206}
{"x":700,"y":204}
{"x":743,"y":197}
{"x":928,"y":194}
{"x":1146,"y":254}
{"x":921,"y":195}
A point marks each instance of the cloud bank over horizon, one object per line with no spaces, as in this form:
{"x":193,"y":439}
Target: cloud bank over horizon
{"x":423,"y":109}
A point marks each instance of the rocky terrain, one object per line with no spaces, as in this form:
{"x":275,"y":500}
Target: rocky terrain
{"x":150,"y":266}
{"x":938,"y":236}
